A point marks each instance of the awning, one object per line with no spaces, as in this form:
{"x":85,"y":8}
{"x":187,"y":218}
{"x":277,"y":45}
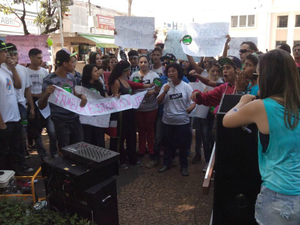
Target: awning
{"x":100,"y":40}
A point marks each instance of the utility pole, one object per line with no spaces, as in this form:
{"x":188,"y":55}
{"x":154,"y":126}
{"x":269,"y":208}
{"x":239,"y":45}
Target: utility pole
{"x":60,"y":24}
{"x":129,"y":7}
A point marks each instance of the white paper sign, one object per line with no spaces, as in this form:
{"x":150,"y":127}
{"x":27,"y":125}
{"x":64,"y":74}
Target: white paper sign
{"x":236,"y":42}
{"x":45,"y":112}
{"x":173,"y":45}
{"x":68,"y":101}
{"x":134,"y":32}
{"x":207,"y":39}
{"x":96,"y":121}
{"x":200,"y":111}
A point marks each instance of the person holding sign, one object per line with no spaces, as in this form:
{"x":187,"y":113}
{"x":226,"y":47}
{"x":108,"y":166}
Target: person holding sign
{"x":177,"y":105}
{"x":147,"y":112}
{"x":67,"y":125}
{"x":90,"y":79}
{"x":276,"y":115}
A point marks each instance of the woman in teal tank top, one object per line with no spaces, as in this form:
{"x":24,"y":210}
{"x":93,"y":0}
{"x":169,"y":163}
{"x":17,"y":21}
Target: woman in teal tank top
{"x":276,"y":115}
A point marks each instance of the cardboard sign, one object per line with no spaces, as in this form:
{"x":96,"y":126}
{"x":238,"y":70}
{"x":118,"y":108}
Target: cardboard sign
{"x":26,"y":42}
{"x":205,"y":40}
{"x":236,"y":42}
{"x":173,"y":46}
{"x":135,"y":32}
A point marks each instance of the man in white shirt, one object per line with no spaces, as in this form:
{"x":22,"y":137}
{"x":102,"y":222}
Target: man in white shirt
{"x":37,"y":74}
{"x":23,"y":96}
{"x":9,"y":112}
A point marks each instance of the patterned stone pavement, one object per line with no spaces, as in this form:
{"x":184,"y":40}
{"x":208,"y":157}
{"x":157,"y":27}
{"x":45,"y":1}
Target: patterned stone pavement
{"x":147,"y":197}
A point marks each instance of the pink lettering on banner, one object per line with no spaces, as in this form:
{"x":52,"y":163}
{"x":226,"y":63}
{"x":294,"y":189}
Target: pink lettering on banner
{"x":63,"y":100}
{"x":57,"y":94}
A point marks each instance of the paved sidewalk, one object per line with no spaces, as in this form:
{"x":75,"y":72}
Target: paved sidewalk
{"x":148,"y":197}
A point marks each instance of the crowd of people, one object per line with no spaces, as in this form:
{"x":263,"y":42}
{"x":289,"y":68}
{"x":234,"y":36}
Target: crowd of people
{"x":162,"y":120}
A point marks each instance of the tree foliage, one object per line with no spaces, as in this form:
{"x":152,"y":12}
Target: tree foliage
{"x":8,"y":8}
{"x":48,"y":17}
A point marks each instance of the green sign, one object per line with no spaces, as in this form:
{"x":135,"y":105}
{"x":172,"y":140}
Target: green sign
{"x":187,"y":39}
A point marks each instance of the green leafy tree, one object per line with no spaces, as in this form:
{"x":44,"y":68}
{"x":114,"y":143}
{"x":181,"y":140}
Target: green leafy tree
{"x":48,"y":17}
{"x":8,"y":8}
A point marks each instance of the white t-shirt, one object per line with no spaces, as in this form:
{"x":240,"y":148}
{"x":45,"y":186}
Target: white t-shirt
{"x":159,"y":71}
{"x":176,"y":101}
{"x":148,"y":104}
{"x":37,"y":77}
{"x":8,"y":102}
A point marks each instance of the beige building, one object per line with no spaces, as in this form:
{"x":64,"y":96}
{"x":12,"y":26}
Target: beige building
{"x":271,"y":21}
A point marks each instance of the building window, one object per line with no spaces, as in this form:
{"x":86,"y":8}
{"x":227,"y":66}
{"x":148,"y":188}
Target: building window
{"x":282,"y":21}
{"x":243,"y":21}
{"x":279,"y":43}
{"x":297,"y":21}
{"x":234,"y":21}
{"x":251,"y":20}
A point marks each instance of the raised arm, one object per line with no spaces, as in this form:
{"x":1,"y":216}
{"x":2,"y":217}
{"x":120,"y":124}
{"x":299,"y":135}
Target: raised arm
{"x":195,"y":66}
{"x":204,"y":80}
{"x":226,"y":47}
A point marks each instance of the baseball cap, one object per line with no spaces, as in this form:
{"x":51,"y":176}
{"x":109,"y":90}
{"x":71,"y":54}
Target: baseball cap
{"x":169,"y":56}
{"x":63,"y":55}
{"x":3,"y":46}
{"x":231,"y":60}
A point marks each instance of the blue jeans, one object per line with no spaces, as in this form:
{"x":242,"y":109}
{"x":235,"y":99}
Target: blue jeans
{"x":202,"y":136}
{"x":277,"y":209}
{"x":68,"y":133}
{"x":22,"y":136}
{"x":177,"y":135}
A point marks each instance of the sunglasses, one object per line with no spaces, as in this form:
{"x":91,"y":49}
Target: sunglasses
{"x":244,"y":50}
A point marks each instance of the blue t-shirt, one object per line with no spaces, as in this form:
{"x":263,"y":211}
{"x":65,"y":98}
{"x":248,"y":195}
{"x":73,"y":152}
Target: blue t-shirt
{"x":68,"y":83}
{"x":253,"y":90}
{"x":279,"y":165}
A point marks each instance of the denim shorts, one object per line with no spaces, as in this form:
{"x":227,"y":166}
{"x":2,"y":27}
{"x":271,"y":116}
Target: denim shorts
{"x":272,"y":208}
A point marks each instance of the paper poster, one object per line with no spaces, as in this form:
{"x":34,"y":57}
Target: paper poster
{"x":236,"y":42}
{"x":205,"y":40}
{"x":26,"y":42}
{"x":173,"y":46}
{"x":200,"y":111}
{"x":134,"y":32}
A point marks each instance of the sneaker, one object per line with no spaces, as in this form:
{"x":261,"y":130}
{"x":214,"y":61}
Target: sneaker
{"x":205,"y":168}
{"x":44,"y":159}
{"x":27,"y":155}
{"x":152,"y":163}
{"x":184,"y":172}
{"x":54,"y":156}
{"x":139,"y":163}
{"x":26,"y":168}
{"x":196,"y":158}
{"x":31,"y":147}
{"x":123,"y":167}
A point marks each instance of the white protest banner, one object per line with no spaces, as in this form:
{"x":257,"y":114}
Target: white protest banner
{"x":204,"y":39}
{"x":96,"y":121}
{"x":236,"y":42}
{"x":26,"y":42}
{"x":173,"y":46}
{"x":200,"y":111}
{"x":134,"y":32}
{"x":68,"y":101}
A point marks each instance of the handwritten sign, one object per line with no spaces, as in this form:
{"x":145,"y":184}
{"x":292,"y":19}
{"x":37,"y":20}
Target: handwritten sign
{"x":134,"y":32}
{"x":205,"y":39}
{"x":236,"y":42}
{"x":70,"y":102}
{"x":96,"y":121}
{"x":173,"y":46}
{"x":26,"y":42}
{"x":200,"y":111}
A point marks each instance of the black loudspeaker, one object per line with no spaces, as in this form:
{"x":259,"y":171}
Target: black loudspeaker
{"x":237,"y":178}
{"x":98,"y":203}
